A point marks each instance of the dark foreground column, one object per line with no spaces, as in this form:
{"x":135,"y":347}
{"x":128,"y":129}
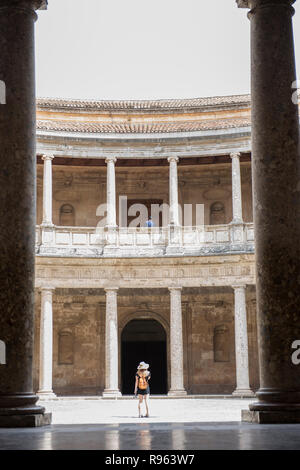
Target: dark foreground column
{"x":276,"y":194}
{"x":17,"y":214}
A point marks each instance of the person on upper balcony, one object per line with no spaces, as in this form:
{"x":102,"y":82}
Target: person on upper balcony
{"x":150,"y":222}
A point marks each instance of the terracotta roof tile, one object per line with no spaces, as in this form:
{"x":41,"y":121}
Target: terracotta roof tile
{"x":144,"y":105}
{"x":140,"y":128}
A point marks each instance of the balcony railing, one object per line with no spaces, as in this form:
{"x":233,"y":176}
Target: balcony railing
{"x":155,"y":241}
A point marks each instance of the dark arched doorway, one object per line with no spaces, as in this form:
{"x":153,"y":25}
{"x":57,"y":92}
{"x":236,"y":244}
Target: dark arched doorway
{"x":144,"y":340}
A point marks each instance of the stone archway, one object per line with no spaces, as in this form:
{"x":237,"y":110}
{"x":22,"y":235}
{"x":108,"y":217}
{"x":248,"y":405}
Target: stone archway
{"x":144,"y":340}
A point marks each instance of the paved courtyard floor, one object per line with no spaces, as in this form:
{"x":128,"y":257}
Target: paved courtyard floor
{"x":161,"y":410}
{"x":187,"y":424}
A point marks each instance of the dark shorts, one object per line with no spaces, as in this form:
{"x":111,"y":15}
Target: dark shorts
{"x":143,"y":392}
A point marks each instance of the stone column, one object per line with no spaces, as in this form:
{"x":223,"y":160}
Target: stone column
{"x":173,"y":191}
{"x":17,"y":213}
{"x":47,"y":191}
{"x":241,"y":342}
{"x":276,"y":201}
{"x":237,"y":217}
{"x":111,"y":345}
{"x":111,"y":226}
{"x":111,"y":193}
{"x":176,"y":343}
{"x":46,"y":344}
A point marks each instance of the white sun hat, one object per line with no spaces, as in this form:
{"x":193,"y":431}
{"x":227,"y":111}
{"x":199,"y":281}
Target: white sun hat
{"x":143,"y":365}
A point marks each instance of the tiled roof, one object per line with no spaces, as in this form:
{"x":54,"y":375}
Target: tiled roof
{"x":139,"y":105}
{"x":140,"y":128}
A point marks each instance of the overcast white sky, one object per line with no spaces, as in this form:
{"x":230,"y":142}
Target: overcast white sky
{"x":138,"y":49}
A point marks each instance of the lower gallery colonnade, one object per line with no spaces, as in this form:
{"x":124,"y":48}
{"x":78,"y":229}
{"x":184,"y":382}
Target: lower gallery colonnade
{"x":175,"y":349}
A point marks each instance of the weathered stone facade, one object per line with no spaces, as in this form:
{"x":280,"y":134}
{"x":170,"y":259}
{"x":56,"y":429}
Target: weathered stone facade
{"x":147,"y":282}
{"x":81,"y":314}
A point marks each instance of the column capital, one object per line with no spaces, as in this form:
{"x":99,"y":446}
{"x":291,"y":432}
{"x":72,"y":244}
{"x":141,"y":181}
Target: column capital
{"x":235,"y":155}
{"x":263,"y":3}
{"x":254,"y":5}
{"x":28,"y":6}
{"x":47,"y":157}
{"x":174,"y":289}
{"x":173,"y":159}
{"x":111,"y":289}
{"x":110,"y":159}
{"x":239,"y":286}
{"x":47,"y":289}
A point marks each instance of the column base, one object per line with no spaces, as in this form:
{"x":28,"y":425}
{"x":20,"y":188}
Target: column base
{"x":111,"y":393}
{"x":46,"y":395}
{"x":25,"y":421}
{"x":243,"y":392}
{"x":46,"y":224}
{"x":236,"y":222}
{"x":271,"y":417}
{"x":177,"y":393}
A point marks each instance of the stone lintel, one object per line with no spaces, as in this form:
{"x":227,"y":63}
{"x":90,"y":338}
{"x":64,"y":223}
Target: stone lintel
{"x":271,"y":417}
{"x":25,"y":421}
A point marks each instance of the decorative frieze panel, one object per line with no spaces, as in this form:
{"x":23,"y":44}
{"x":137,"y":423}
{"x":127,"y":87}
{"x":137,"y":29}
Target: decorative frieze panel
{"x":190,"y":272}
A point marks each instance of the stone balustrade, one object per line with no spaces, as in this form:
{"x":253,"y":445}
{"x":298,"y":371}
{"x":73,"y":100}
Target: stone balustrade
{"x":144,"y":241}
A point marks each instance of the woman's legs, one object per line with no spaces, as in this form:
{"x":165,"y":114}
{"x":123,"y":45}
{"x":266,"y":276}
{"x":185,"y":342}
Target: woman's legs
{"x":146,"y":398}
{"x":139,"y":405}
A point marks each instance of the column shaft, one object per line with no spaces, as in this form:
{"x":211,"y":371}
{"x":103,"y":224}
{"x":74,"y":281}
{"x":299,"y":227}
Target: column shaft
{"x":237,"y":216}
{"x":17,"y":212}
{"x":173,"y":191}
{"x":241,"y":342}
{"x":111,"y":193}
{"x":176,"y":343}
{"x":47,"y":191}
{"x":46,"y":344}
{"x":111,"y":344}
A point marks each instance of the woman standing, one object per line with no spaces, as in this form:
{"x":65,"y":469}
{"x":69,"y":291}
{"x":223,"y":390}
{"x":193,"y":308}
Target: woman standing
{"x":142,"y":388}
